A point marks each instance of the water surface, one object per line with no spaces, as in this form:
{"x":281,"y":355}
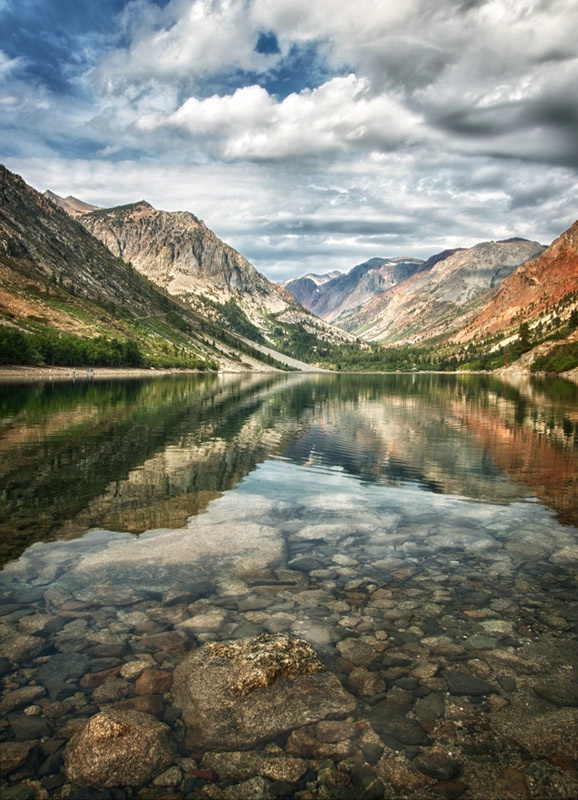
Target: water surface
{"x":431,"y":517}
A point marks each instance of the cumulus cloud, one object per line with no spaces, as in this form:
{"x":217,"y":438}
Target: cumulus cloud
{"x":497,"y":77}
{"x":250,"y":124}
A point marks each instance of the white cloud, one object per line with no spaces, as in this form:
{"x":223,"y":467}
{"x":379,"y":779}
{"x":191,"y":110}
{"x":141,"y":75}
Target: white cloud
{"x":478,"y":73}
{"x":183,"y":42}
{"x":250,"y":124}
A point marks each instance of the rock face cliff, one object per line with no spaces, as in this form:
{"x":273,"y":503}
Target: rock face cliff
{"x":532,"y":291}
{"x":177,"y":251}
{"x":333,"y":298}
{"x":441,"y":298}
{"x":41,"y":244}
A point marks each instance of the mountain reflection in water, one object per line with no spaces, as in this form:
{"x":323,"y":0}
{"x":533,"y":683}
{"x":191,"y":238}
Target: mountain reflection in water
{"x":147,"y":454}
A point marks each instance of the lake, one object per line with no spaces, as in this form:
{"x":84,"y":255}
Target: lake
{"x":418,"y":531}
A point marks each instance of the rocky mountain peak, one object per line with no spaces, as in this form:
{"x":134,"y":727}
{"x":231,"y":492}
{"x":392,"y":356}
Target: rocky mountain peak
{"x":175,"y":250}
{"x":332,"y":298}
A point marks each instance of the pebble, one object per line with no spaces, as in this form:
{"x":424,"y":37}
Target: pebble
{"x":447,"y":684}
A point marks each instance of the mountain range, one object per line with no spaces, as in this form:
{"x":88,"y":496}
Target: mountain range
{"x":166,"y":283}
{"x":336,"y":295}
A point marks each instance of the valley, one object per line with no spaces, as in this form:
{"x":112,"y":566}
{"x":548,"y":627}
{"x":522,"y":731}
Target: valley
{"x":135,"y":287}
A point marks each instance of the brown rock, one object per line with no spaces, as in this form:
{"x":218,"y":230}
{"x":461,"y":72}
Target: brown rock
{"x":236,"y":694}
{"x":13,"y":755}
{"x":511,"y":785}
{"x":365,"y":683}
{"x":401,"y":774}
{"x":304,"y":742}
{"x":154,"y":681}
{"x":356,"y":651}
{"x":93,"y":679}
{"x":335,"y":730}
{"x":147,"y":703}
{"x":242,"y":765}
{"x":118,"y":747}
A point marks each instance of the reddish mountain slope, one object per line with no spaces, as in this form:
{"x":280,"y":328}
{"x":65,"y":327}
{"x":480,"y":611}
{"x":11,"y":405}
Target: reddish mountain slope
{"x":532,"y":291}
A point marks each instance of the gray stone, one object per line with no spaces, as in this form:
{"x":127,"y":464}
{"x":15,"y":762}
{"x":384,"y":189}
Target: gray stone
{"x":306,"y":564}
{"x":559,"y":691}
{"x":316,"y":633}
{"x":118,"y":748}
{"x":462,"y":683}
{"x":356,"y":651}
{"x":170,"y":777}
{"x":19,"y":647}
{"x":401,"y":730}
{"x":428,"y":710}
{"x":19,"y":697}
{"x":60,"y":668}
{"x":253,"y":789}
{"x":110,"y":692}
{"x":236,"y":694}
{"x":437,"y":765}
{"x":26,"y":728}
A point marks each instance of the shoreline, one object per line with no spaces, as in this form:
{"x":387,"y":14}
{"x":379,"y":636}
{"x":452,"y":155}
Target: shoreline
{"x":25,"y":373}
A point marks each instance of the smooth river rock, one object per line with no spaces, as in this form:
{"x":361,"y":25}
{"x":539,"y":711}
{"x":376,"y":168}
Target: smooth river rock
{"x":234,"y":695}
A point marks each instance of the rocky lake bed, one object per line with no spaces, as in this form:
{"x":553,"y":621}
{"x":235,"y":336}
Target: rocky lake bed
{"x":330,"y":643}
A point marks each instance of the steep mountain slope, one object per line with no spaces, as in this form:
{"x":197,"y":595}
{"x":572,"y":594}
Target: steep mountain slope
{"x":178,"y":252}
{"x":538,"y":289}
{"x":440,"y":300}
{"x":64,"y":296}
{"x":344,"y":293}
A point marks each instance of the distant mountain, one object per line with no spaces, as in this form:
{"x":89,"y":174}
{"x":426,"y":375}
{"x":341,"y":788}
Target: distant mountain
{"x":307,"y":288}
{"x":442,"y":297}
{"x":538,"y":289}
{"x":70,"y":204}
{"x":333,"y":298}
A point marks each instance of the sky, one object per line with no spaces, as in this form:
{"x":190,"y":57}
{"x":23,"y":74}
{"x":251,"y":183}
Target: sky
{"x":309,"y":135}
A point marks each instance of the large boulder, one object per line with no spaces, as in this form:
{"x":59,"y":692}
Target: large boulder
{"x":118,"y":747}
{"x":234,"y":695}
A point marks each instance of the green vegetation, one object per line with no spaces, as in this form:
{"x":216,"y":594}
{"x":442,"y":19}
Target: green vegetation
{"x":49,"y":347}
{"x":559,"y":359}
{"x":240,"y":322}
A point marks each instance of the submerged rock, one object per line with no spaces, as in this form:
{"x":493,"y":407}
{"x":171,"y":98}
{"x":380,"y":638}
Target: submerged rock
{"x":118,"y":747}
{"x":236,"y":694}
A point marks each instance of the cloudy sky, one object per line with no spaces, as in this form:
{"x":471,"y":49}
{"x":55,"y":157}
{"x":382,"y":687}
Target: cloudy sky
{"x":309,"y":134}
